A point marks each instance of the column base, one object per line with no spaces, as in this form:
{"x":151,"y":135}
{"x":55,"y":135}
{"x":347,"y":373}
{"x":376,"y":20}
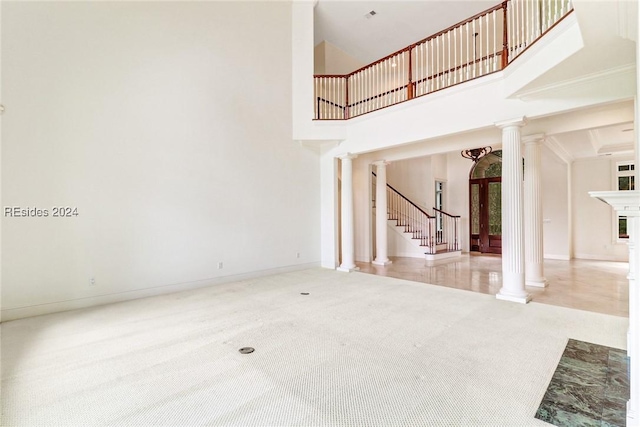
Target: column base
{"x":519,"y":299}
{"x":348,"y":269}
{"x":382,"y":263}
{"x":632,"y":419}
{"x":537,"y":283}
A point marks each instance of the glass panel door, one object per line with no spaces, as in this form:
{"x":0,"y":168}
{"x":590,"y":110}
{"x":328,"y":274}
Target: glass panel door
{"x":485,"y":213}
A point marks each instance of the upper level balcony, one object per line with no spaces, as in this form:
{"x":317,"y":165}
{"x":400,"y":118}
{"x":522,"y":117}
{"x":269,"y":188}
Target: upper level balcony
{"x":478,"y":46}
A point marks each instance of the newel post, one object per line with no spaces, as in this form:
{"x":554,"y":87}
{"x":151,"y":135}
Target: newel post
{"x":505,"y":36}
{"x":410,"y":85}
{"x":346,"y":92}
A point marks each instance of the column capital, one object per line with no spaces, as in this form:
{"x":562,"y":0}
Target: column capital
{"x":380,"y":163}
{"x":516,"y":122}
{"x":533,"y":139}
{"x":347,"y":156}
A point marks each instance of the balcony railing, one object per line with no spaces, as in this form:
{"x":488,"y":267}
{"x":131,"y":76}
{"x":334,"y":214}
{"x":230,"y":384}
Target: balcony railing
{"x":476,"y":47}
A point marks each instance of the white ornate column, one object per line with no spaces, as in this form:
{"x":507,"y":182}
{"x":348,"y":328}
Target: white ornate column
{"x":348,"y":239}
{"x":512,"y":214}
{"x":534,"y":249}
{"x":627,"y":203}
{"x":382,"y":257}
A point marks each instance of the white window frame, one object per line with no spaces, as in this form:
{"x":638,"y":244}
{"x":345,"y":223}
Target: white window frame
{"x":618,"y":174}
{"x":439,"y":221}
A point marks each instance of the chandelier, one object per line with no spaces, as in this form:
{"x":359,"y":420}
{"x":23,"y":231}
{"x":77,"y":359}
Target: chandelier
{"x":476,"y":154}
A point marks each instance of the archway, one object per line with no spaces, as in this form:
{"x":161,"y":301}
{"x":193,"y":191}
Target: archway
{"x":485,"y":204}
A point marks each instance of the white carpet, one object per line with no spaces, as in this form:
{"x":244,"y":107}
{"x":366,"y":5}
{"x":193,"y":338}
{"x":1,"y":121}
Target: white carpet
{"x":360,"y":350}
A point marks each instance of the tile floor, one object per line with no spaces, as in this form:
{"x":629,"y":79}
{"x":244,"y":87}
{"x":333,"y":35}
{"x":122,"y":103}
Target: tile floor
{"x":590,"y":387}
{"x":598,"y":286}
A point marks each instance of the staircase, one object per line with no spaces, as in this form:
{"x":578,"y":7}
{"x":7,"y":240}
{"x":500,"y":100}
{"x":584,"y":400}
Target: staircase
{"x":436,"y":235}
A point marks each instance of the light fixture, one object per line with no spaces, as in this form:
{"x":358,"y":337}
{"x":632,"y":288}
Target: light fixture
{"x":476,"y":154}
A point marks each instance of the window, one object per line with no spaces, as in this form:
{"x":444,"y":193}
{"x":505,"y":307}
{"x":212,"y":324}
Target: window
{"x":439,"y":203}
{"x":625,"y":181}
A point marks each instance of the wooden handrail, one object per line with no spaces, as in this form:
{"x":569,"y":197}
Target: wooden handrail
{"x":444,"y":213}
{"x":506,"y":46}
{"x":405,"y":198}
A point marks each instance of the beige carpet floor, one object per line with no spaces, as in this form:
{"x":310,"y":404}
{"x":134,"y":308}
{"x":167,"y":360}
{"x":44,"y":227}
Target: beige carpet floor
{"x":359,"y":350}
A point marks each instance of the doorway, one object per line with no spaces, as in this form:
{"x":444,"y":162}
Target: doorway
{"x":485,"y":204}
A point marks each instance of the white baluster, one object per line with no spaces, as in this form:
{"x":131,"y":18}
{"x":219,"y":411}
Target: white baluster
{"x":460,"y":69}
{"x":468,"y":52}
{"x":389,"y":82}
{"x":405,"y":82}
{"x":432,"y":63}
{"x":475,"y":54}
{"x":322,"y":96}
{"x":455,"y":54}
{"x":481,"y":52}
{"x":486,"y":54}
{"x":448,"y":58}
{"x":496,"y":46}
{"x":370,"y":80}
{"x":523,"y":34}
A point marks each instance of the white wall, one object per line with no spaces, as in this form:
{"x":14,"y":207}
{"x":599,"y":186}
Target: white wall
{"x":594,"y":229}
{"x":413,"y":178}
{"x":152,"y":120}
{"x":330,"y":59}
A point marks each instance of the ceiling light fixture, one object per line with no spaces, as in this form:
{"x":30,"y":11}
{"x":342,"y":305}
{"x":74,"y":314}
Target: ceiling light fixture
{"x":476,"y":154}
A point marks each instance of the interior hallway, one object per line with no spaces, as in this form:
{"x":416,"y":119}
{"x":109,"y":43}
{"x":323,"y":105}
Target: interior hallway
{"x":598,"y":286}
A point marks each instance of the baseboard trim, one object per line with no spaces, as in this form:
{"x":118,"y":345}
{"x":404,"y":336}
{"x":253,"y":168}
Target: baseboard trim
{"x":600,"y":257}
{"x":408,"y":254}
{"x":558,"y":257}
{"x":15,"y":313}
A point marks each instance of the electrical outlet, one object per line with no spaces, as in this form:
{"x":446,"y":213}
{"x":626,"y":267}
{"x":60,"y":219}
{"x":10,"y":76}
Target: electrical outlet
{"x":297,"y":254}
{"x":220,"y":265}
{"x":92,"y":281}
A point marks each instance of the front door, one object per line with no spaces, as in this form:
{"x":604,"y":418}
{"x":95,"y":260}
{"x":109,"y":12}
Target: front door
{"x":486,"y":215}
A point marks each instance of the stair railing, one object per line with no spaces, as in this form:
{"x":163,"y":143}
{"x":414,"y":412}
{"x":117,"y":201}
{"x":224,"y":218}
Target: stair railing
{"x":407,"y":214}
{"x":447,"y":226}
{"x":483,"y":44}
{"x":430,"y":230}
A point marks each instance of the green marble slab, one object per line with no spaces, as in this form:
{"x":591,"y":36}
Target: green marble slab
{"x":590,"y":387}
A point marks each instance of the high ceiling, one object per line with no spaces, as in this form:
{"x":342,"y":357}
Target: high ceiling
{"x":396,"y":24}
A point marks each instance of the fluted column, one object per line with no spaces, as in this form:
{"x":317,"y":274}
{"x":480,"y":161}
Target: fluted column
{"x":633,"y":339}
{"x":512,"y":214}
{"x":381,"y":214}
{"x":534,"y":249}
{"x":348,"y":240}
